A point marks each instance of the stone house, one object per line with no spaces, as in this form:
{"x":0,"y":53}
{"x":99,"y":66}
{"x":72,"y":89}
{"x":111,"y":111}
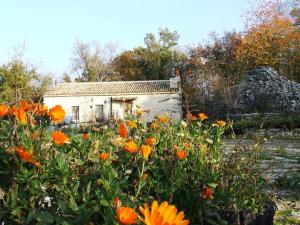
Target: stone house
{"x":100,"y":101}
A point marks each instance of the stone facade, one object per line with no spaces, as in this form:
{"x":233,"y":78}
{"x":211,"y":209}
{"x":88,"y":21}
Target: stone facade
{"x":264,"y":90}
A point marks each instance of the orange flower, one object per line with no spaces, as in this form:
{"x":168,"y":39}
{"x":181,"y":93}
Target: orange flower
{"x":202,"y":116}
{"x":208,"y":193}
{"x":123,"y":130}
{"x":20,"y":114}
{"x":132,"y":124}
{"x":24,"y":105}
{"x":3,"y":110}
{"x":57,"y":114}
{"x":145,"y":176}
{"x":130,"y":146}
{"x":150,"y":141}
{"x":163,"y":214}
{"x":103,"y":156}
{"x":85,"y":136}
{"x":126,"y":215}
{"x":145,"y":151}
{"x":60,"y":138}
{"x":38,"y":109}
{"x":181,"y":154}
{"x":164,"y":119}
{"x":221,"y":123}
{"x":190,"y":116}
{"x":154,"y":125}
{"x":139,"y":111}
{"x":26,"y":156}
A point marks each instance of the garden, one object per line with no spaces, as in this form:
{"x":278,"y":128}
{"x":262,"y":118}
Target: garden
{"x":167,"y":173}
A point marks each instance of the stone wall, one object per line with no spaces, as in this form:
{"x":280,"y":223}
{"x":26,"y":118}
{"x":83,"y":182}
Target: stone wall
{"x":264,"y":90}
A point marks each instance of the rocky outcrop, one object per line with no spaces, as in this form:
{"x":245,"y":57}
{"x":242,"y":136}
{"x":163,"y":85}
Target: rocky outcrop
{"x":265,"y":90}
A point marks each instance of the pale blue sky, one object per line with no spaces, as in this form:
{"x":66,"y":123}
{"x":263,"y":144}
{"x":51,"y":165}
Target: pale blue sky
{"x":49,"y":28}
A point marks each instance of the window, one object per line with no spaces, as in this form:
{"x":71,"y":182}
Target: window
{"x":75,"y":114}
{"x":99,"y":113}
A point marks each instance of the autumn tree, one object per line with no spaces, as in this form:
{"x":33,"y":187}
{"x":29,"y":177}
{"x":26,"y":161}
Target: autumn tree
{"x":91,"y":62}
{"x":271,"y":38}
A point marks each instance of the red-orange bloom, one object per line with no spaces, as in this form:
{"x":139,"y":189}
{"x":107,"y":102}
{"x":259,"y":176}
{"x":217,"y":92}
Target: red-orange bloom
{"x":103,"y":156}
{"x":85,"y":136}
{"x":20,"y":114}
{"x":150,"y":141}
{"x":221,"y":123}
{"x":202,"y":116}
{"x":126,"y":215}
{"x":26,"y":156}
{"x":208,"y":193}
{"x":24,"y":105}
{"x":57,"y":114}
{"x":60,"y":138}
{"x":3,"y":110}
{"x":130,"y":146}
{"x":146,"y":151}
{"x":123,"y":130}
{"x":181,"y":154}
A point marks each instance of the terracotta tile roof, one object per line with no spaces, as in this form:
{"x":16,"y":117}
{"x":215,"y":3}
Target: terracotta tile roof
{"x":111,"y":88}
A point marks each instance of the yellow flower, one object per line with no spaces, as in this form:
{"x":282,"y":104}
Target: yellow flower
{"x":60,"y":138}
{"x":145,"y":151}
{"x":139,"y":111}
{"x":126,"y":215}
{"x":132,"y":124}
{"x":163,"y":214}
{"x":57,"y":114}
{"x":202,"y":116}
{"x":221,"y":123}
{"x":131,"y":147}
{"x":154,"y":125}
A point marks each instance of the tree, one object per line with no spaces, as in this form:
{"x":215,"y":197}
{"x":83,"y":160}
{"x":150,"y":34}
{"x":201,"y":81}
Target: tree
{"x":271,"y":39}
{"x":90,"y":62}
{"x":153,"y":62}
{"x":19,"y":82}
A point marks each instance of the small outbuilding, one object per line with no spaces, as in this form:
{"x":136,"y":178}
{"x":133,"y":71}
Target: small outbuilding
{"x":100,"y":101}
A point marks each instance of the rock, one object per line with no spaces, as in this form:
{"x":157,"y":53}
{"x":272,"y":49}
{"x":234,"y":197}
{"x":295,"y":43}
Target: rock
{"x":264,"y":90}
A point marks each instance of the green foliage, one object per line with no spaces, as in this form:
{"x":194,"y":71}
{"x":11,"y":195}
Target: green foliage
{"x":18,"y":82}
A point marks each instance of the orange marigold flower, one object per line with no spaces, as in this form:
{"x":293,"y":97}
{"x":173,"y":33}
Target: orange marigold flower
{"x":103,"y":156}
{"x":38,"y":109}
{"x":150,"y":141}
{"x":57,"y":114}
{"x":202,"y":116}
{"x":208,"y":193}
{"x":123,"y":130}
{"x":24,"y":105}
{"x":132,"y":124}
{"x":130,"y":146}
{"x":154,"y":125}
{"x":26,"y":156}
{"x":126,"y":215}
{"x":190,"y":116}
{"x":20,"y":114}
{"x":85,"y":136}
{"x":60,"y":138}
{"x":221,"y":123}
{"x":163,"y":214}
{"x":164,"y":119}
{"x":181,"y":154}
{"x":145,"y":151}
{"x":3,"y":110}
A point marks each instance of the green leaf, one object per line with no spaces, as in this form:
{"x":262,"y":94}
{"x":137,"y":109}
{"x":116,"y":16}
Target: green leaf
{"x":45,"y":217}
{"x":104,"y":202}
{"x":213,"y":185}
